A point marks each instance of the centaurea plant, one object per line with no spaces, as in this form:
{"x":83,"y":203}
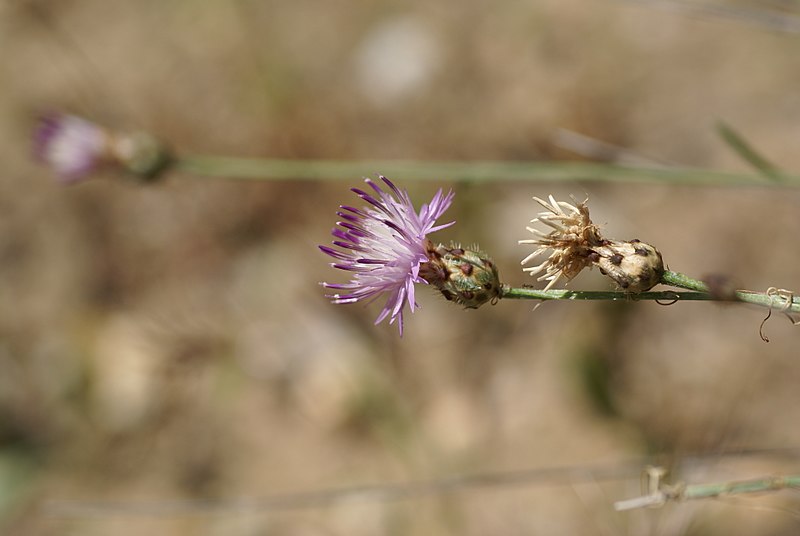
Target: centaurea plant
{"x":575,"y":243}
{"x":75,"y":148}
{"x":385,"y":246}
{"x":72,"y":146}
{"x":264,"y":168}
{"x":387,"y":249}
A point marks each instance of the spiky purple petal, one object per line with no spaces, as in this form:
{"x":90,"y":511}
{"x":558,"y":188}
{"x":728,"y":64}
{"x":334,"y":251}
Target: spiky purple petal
{"x":383,"y":245}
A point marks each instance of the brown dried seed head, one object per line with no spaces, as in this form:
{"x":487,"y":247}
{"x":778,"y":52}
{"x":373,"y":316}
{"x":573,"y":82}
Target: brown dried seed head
{"x":634,"y":266}
{"x":575,"y":243}
{"x":571,"y":240}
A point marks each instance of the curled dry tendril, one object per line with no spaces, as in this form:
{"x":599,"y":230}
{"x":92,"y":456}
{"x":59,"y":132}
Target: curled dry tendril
{"x":788,"y":299}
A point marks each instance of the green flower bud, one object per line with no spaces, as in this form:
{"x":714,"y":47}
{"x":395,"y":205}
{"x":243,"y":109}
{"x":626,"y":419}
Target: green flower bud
{"x":466,"y":276}
{"x":141,"y":154}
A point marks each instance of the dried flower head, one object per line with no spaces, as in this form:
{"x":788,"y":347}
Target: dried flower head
{"x":632,"y":264}
{"x":571,"y":239}
{"x":575,"y":243}
{"x":384,"y":245}
{"x":74,"y":148}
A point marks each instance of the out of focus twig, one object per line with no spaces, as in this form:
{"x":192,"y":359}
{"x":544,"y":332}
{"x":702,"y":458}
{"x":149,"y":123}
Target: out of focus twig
{"x":747,"y":152}
{"x":660,"y":493}
{"x":475,"y":171}
{"x":770,"y":20}
{"x":595,"y":149}
{"x":321,"y":498}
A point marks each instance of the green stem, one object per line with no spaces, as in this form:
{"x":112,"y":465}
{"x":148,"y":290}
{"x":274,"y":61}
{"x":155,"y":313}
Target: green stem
{"x":675,"y":279}
{"x":743,"y":148}
{"x":477,"y":170}
{"x":777,"y":300}
{"x":533,"y":294}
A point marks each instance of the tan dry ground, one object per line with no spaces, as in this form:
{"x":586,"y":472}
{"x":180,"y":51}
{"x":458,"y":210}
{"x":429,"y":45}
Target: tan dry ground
{"x":171,"y":342}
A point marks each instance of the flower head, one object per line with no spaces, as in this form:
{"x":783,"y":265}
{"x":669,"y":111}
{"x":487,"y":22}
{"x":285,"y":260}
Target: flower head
{"x":384,"y":245}
{"x":73,"y":147}
{"x":571,"y":239}
{"x":466,"y":276}
{"x":575,"y":243}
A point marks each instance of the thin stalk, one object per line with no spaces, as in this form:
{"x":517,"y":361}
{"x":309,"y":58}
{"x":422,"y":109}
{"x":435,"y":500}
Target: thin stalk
{"x":477,"y":171}
{"x":392,"y":491}
{"x":705,"y":491}
{"x":778,"y":300}
{"x":676,"y":279}
{"x":748,"y":153}
{"x":516,"y":293}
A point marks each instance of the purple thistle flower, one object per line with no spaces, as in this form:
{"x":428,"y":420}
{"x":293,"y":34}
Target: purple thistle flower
{"x":70,"y":146}
{"x":384,"y":245}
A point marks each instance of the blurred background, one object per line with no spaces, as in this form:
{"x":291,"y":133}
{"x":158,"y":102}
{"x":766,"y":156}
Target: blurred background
{"x":171,"y":342}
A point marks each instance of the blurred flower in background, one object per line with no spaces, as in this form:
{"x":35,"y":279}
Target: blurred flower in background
{"x":384,"y":245}
{"x":74,"y":148}
{"x":71,"y":146}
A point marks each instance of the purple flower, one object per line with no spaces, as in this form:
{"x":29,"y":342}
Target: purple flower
{"x":384,"y":245}
{"x":70,"y":145}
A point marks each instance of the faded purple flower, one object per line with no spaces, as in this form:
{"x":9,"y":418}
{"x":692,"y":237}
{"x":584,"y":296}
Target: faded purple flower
{"x":384,"y":245}
{"x":74,"y":147}
{"x":70,"y":145}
